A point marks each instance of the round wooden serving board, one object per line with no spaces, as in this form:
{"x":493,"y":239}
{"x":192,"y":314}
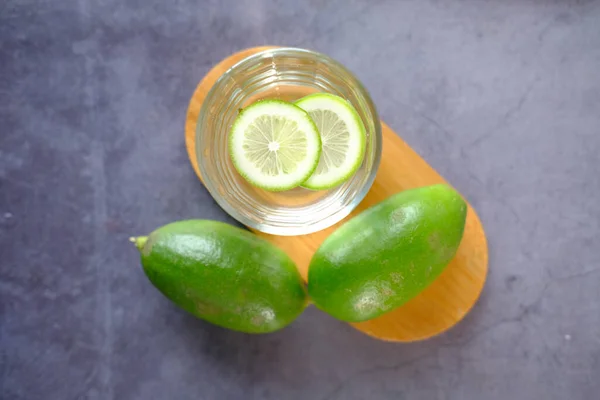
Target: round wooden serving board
{"x":444,"y":302}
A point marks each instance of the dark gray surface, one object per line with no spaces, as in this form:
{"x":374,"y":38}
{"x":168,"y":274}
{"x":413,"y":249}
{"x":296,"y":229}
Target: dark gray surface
{"x":502,"y":97}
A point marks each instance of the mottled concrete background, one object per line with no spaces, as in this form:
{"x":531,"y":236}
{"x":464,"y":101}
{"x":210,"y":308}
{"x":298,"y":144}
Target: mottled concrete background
{"x":502,"y":97}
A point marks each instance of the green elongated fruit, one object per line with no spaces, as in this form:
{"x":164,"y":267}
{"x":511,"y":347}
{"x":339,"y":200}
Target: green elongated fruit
{"x":224,"y":275}
{"x":388,"y":254}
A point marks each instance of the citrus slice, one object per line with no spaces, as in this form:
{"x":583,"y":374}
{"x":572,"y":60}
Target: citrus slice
{"x":274,"y":145}
{"x":343,"y":138}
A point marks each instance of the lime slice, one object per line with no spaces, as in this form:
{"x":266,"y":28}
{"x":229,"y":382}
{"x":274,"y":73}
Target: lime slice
{"x":343,"y":136}
{"x":274,"y":145}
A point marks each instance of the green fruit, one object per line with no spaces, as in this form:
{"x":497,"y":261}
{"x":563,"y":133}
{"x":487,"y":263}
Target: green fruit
{"x":387,"y":255}
{"x":224,"y":275}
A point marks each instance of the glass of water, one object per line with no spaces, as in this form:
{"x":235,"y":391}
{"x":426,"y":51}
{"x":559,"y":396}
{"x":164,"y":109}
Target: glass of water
{"x":285,"y":74}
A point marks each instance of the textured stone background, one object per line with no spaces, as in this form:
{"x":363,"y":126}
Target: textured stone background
{"x":502,"y":97}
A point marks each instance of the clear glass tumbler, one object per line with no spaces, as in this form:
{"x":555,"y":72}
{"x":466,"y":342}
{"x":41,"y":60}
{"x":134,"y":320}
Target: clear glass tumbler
{"x":286,"y":74}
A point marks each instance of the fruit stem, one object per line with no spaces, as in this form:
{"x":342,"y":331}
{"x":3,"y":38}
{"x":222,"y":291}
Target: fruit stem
{"x":139,"y":241}
{"x":308,"y":302}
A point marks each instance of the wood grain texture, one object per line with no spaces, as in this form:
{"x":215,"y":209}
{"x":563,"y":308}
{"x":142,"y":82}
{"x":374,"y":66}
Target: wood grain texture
{"x":444,"y":302}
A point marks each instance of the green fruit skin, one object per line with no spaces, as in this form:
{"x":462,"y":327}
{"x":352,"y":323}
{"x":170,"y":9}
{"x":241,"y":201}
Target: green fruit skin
{"x":388,"y":254}
{"x":224,"y":275}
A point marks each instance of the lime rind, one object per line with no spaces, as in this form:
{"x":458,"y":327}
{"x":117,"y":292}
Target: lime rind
{"x":356,"y":143}
{"x":294,"y":164}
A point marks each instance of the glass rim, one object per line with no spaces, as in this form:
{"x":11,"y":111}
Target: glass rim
{"x":331,"y":219}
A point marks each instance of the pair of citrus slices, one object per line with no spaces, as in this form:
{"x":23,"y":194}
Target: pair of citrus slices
{"x":317,"y":143}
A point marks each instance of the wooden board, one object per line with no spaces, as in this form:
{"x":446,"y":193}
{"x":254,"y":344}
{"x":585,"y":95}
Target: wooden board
{"x":443,"y":303}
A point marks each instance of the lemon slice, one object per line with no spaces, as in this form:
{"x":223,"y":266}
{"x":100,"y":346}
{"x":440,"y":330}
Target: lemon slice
{"x":274,"y":145}
{"x":343,"y":137}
